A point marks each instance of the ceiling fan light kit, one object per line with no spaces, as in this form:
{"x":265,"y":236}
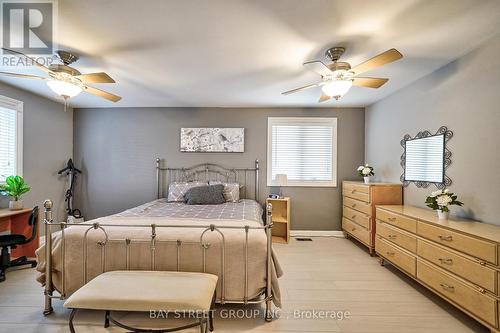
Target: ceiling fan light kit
{"x":66,"y":81}
{"x":338,"y":77}
{"x":64,"y":89}
{"x":336,"y":88}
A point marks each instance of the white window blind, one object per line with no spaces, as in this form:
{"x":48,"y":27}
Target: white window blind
{"x":425,"y":159}
{"x":10,"y":138}
{"x":304,"y":149}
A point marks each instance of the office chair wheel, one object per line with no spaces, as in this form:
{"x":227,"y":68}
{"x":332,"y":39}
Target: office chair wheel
{"x":2,"y":276}
{"x":33,"y":264}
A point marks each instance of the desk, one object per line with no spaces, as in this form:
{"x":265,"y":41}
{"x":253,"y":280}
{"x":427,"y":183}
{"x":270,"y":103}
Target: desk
{"x":16,"y":222}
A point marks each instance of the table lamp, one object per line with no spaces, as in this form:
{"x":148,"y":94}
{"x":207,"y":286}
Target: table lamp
{"x":281,"y":180}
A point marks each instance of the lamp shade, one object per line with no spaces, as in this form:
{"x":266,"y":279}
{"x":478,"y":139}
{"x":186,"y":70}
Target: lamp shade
{"x":281,"y":179}
{"x":337,"y":88}
{"x":63,"y":88}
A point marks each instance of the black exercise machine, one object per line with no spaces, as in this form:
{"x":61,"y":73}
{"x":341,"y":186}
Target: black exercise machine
{"x":71,"y":171}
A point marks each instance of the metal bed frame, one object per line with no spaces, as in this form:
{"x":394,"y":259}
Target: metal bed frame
{"x":207,"y":172}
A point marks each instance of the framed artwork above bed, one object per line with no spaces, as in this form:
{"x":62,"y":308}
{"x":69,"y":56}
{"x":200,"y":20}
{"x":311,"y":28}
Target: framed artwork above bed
{"x":213,"y":140}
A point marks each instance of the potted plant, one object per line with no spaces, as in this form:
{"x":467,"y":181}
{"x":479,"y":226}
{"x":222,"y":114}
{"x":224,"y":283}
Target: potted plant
{"x":440,"y":200}
{"x":366,"y":171}
{"x":14,"y":187}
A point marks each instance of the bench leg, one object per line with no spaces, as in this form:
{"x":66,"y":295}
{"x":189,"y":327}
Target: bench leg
{"x":204,"y":325}
{"x":71,"y":316}
{"x":211,"y":321}
{"x":106,"y":319}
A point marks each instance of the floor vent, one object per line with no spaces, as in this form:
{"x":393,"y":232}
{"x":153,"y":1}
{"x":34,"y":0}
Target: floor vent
{"x":304,"y":239}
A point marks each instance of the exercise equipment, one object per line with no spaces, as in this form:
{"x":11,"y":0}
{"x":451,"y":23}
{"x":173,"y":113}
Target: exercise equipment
{"x":72,"y":172}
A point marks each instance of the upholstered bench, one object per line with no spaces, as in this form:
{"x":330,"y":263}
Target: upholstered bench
{"x":192,"y":294}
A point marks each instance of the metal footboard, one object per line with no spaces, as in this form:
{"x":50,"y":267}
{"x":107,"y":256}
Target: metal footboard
{"x":49,"y":293}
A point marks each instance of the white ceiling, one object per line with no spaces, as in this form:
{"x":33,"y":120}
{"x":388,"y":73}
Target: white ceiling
{"x":244,"y":53}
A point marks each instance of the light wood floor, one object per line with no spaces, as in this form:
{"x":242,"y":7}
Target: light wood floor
{"x":330,"y":274}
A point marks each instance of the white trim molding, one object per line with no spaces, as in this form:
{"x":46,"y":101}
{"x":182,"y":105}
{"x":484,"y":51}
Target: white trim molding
{"x":316,"y":233}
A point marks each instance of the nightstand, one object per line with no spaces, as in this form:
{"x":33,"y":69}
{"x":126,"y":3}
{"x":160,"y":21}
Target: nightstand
{"x":280,"y":219}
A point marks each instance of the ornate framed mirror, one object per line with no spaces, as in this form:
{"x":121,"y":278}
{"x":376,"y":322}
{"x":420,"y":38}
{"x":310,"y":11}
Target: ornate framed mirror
{"x":425,"y":158}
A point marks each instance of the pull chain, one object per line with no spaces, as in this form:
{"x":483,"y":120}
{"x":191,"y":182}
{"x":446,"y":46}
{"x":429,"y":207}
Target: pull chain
{"x":65,"y":102}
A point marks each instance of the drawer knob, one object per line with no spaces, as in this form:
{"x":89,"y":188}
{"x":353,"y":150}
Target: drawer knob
{"x":353,"y":191}
{"x":353,"y":229}
{"x":391,"y":236}
{"x":392,"y":219}
{"x":446,"y":238}
{"x":447,"y":287}
{"x":353,"y":205}
{"x":390,"y":253}
{"x":353,"y":217}
{"x":482,"y":263}
{"x":446,"y":261}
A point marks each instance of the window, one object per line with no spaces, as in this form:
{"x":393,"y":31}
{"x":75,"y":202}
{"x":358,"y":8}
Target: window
{"x":11,"y":138}
{"x":305,"y":149}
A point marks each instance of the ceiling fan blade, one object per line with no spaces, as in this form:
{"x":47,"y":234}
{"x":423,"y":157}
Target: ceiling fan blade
{"x":22,"y":76}
{"x":323,"y":98}
{"x":102,"y":93}
{"x":318,"y":67}
{"x":377,"y":61}
{"x":369,"y":82}
{"x":95,"y":78}
{"x":32,"y":60}
{"x":300,"y":89}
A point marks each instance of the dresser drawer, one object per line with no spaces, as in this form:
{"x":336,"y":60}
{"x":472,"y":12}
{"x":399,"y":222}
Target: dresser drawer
{"x":358,"y":205}
{"x":396,"y":236}
{"x":358,"y":217}
{"x":396,"y":256}
{"x":356,"y":191}
{"x":472,"y":246}
{"x":482,"y":305}
{"x":362,"y":234}
{"x":469,"y":270}
{"x":399,"y":221}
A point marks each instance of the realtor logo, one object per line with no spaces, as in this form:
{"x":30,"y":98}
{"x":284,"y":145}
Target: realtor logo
{"x":28,"y":27}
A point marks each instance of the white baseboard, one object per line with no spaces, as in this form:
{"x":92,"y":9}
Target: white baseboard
{"x":316,"y":233}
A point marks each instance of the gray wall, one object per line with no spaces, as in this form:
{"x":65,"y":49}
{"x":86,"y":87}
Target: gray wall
{"x":116,"y":148}
{"x":47,"y":145}
{"x":465,"y":96}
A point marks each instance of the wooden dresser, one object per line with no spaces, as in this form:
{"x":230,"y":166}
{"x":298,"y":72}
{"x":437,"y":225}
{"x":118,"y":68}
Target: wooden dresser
{"x":457,"y":259}
{"x":359,"y":200}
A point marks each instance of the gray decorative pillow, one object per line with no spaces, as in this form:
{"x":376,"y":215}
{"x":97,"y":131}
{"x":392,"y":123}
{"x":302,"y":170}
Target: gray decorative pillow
{"x":177,"y":190}
{"x":205,"y":195}
{"x":231,"y":190}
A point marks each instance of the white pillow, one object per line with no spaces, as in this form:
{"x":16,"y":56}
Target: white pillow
{"x":231,"y":190}
{"x":176,"y":190}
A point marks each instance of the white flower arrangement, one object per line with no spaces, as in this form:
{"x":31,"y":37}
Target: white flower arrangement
{"x":365,"y":170}
{"x":441,"y":199}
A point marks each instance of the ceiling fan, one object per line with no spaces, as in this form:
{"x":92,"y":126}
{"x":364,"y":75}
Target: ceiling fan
{"x":64,"y":80}
{"x":338,"y":77}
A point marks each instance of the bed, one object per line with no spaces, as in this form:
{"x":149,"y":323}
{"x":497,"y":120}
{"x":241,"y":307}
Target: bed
{"x":231,"y":240}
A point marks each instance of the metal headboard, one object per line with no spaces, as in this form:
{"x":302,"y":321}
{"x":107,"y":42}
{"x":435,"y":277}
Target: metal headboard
{"x":248,"y":178}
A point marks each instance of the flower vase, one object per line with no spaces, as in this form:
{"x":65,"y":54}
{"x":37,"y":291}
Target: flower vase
{"x":443,"y":215}
{"x":15,"y":205}
{"x":367,"y":179}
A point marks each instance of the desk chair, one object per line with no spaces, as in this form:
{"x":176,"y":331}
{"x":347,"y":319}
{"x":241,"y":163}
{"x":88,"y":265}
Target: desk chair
{"x":12,"y":241}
